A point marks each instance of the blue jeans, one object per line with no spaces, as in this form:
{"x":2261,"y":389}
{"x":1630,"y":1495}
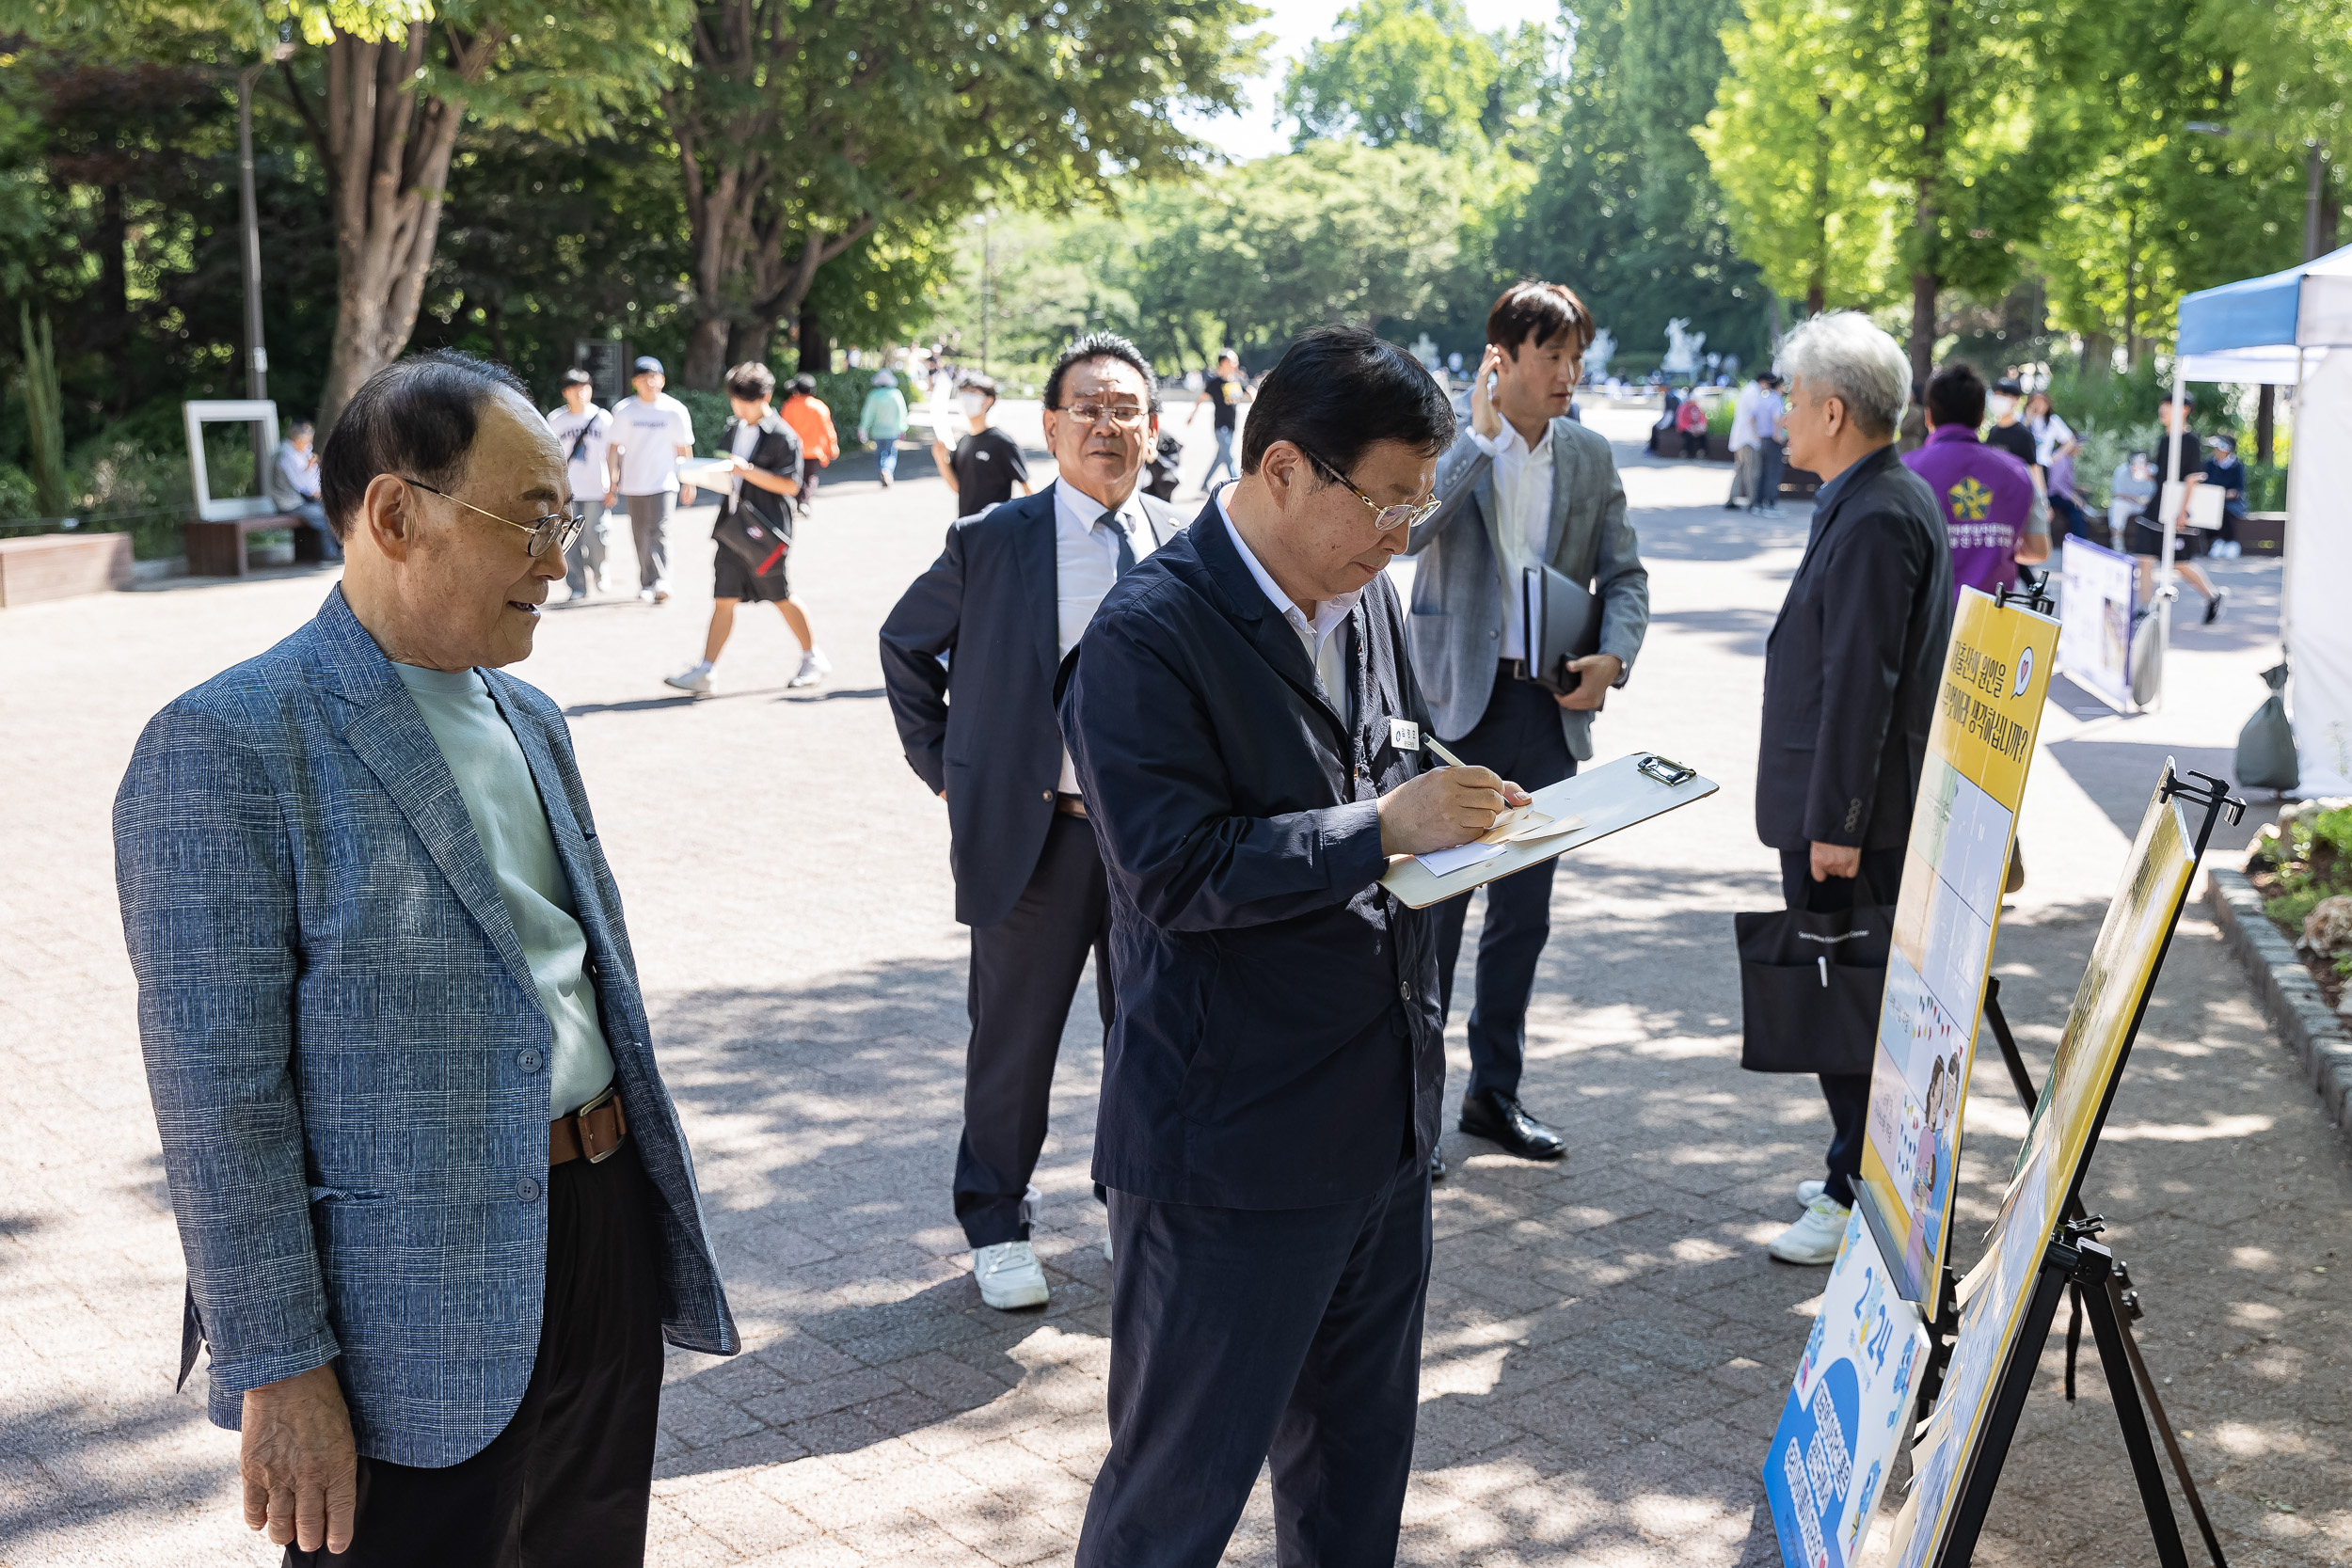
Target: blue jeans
{"x":886,"y":454}
{"x":1224,"y":458}
{"x":1769,"y":456}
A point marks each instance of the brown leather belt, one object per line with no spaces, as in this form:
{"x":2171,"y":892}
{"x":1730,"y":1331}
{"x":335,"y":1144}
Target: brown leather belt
{"x":1069,"y":805}
{"x":590,"y":1132}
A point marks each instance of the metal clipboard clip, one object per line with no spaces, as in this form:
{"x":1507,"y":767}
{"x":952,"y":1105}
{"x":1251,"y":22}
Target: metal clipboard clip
{"x":1666,"y":770}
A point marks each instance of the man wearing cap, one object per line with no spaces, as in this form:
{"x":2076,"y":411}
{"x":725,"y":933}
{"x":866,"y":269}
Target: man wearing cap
{"x":585,"y":433}
{"x":650,"y":433}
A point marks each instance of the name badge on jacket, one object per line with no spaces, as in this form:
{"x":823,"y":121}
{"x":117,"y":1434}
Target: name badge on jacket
{"x":1404,"y":734}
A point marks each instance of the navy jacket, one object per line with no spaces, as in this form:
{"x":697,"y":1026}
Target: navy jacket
{"x":1852,"y":664}
{"x":1277,"y":1043}
{"x":981,"y":628}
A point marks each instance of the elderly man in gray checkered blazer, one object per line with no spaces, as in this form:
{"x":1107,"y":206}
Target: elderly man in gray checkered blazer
{"x":439,"y":1213}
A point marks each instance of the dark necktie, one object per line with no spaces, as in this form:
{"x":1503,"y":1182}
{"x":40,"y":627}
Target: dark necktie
{"x":1126,"y":548}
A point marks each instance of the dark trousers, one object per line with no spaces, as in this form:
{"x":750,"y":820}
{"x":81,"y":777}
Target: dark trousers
{"x":1848,"y":1093}
{"x":1240,"y":1334}
{"x":1770,"y":457}
{"x":569,"y":1479}
{"x":1024,"y":974}
{"x":1519,"y":736}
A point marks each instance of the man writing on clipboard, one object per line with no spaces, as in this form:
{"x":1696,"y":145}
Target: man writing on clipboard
{"x":1246,"y":734}
{"x":1525,"y":487}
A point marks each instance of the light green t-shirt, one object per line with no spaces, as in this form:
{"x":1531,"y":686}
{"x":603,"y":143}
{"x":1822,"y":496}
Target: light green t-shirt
{"x":495,"y":778}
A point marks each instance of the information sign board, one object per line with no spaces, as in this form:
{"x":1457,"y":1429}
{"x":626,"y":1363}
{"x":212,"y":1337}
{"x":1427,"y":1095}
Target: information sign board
{"x":2095,"y":620}
{"x":1838,"y":1432}
{"x":2082,"y":1075}
{"x":1963,"y":832}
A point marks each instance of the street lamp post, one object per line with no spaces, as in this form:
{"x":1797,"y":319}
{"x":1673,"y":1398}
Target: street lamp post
{"x":256,"y":354}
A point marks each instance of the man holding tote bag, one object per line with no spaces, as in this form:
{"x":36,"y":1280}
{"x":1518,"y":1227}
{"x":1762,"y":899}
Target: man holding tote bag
{"x":1849,"y":680}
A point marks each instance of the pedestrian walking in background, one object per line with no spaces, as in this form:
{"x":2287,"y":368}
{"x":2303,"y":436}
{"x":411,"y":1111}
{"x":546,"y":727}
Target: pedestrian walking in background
{"x":971,"y":686}
{"x":1224,"y":393}
{"x":585,"y":433}
{"x":1986,"y":496}
{"x":2227,"y":474}
{"x":1690,"y":420}
{"x":2008,"y":431}
{"x":2144,"y":537}
{"x":812,"y":422}
{"x":765,"y":454}
{"x":987,"y":466}
{"x":1523,"y":486}
{"x":291,"y":484}
{"x":881,"y":421}
{"x":1744,"y":490}
{"x":2051,"y":434}
{"x":2068,"y":517}
{"x":1772,"y":450}
{"x":651,"y":431}
{"x":1851,"y":675}
{"x":437,"y":1211}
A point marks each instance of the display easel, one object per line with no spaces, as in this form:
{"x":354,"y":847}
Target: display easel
{"x":2074,"y":1264}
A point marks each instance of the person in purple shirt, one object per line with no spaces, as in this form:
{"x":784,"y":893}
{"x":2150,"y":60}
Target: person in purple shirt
{"x":1987,"y":496}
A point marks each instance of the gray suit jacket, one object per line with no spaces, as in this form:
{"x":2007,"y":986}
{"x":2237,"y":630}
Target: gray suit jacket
{"x":347,"y":1051}
{"x":1456,"y":625}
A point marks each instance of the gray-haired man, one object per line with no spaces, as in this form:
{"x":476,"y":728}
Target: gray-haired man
{"x":1849,"y":678}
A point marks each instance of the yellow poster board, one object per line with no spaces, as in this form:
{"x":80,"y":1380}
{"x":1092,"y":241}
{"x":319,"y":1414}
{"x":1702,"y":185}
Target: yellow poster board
{"x":2090,"y":1056}
{"x":1963,"y":829}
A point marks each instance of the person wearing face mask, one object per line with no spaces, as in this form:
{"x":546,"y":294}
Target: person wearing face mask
{"x":986,"y":467}
{"x":1028,"y":876}
{"x":1246,"y":734}
{"x":1522,"y":485}
{"x":2009,"y":432}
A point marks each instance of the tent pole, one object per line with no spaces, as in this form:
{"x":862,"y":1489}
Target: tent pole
{"x":2171,"y":525}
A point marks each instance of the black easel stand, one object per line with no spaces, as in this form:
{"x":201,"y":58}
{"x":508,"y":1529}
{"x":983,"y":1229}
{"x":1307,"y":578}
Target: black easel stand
{"x":2098,"y":1284}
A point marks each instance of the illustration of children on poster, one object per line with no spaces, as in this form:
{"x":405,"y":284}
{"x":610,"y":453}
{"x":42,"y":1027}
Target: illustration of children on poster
{"x":1932,"y":1172}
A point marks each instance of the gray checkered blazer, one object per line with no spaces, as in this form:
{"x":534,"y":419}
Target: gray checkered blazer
{"x":347,"y":1053}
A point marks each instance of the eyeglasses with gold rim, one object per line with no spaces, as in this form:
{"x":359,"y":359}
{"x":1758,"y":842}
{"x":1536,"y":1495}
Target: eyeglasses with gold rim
{"x":555,"y":530}
{"x":1388,"y":520}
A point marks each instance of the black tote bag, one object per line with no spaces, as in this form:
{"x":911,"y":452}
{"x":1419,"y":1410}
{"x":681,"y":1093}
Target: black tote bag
{"x":1810,"y":985}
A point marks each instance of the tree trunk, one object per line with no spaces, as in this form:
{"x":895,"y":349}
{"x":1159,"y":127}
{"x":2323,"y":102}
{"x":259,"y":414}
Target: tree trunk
{"x":815,"y":348}
{"x":388,"y":156}
{"x":2266,"y":423}
{"x":1926,"y":273}
{"x":2098,"y":357}
{"x":1816,"y":287}
{"x":114,"y":293}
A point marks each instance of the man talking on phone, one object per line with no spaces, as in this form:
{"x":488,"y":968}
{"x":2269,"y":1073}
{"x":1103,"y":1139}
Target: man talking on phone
{"x":1524,"y":485}
{"x":1248,"y":738}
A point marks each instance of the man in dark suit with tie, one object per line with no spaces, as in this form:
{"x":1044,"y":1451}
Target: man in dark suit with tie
{"x":1248,"y":738}
{"x":1851,"y":672}
{"x":987,"y":625}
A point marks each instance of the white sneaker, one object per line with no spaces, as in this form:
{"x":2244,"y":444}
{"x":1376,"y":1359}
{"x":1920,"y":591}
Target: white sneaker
{"x":814,"y":667}
{"x":644,"y":596}
{"x":1807,"y":1192}
{"x":1106,"y":1249}
{"x":1009,"y":1275}
{"x":696,"y":679}
{"x":1813,"y":1239}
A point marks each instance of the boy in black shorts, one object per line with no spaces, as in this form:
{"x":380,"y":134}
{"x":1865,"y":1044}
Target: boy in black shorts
{"x":765,"y":455}
{"x":2144,"y":538}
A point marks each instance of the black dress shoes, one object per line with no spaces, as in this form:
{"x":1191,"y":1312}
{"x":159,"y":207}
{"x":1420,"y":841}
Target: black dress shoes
{"x":1436,"y":1164}
{"x":1500,"y":1119}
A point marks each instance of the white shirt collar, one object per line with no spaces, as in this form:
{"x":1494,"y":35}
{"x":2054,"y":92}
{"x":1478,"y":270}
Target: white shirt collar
{"x":1329,"y":614}
{"x":1076,"y":512}
{"x":1509,"y":442}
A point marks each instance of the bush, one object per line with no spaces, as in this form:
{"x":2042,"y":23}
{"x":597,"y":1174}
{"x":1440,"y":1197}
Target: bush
{"x":16,"y":494}
{"x":2103,"y":449}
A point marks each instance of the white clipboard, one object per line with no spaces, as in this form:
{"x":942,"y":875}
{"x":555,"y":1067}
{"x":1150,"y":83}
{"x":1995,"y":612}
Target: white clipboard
{"x":1614,"y":796}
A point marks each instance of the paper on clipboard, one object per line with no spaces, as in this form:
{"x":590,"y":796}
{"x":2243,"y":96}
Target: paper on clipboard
{"x":712,"y":475}
{"x":2204,"y":504}
{"x":1577,"y":811}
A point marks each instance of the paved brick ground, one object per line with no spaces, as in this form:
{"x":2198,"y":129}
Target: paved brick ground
{"x":1608,"y":1346}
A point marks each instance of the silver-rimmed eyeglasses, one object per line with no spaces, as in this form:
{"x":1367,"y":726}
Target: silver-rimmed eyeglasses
{"x":556,"y":530}
{"x":1388,"y":520}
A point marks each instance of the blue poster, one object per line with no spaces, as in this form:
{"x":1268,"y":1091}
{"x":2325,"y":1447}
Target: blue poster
{"x":1845,"y":1413}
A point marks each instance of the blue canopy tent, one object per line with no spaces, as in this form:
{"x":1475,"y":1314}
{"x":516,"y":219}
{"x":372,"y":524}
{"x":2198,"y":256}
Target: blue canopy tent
{"x":2294,"y":328}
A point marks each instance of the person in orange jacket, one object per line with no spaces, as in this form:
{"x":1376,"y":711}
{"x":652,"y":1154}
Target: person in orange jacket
{"x":812,"y":422}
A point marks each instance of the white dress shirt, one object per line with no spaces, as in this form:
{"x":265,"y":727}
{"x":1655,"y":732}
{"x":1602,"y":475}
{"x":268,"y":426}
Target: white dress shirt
{"x":1086,"y":563}
{"x":1522,"y":479}
{"x":1327,"y":654}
